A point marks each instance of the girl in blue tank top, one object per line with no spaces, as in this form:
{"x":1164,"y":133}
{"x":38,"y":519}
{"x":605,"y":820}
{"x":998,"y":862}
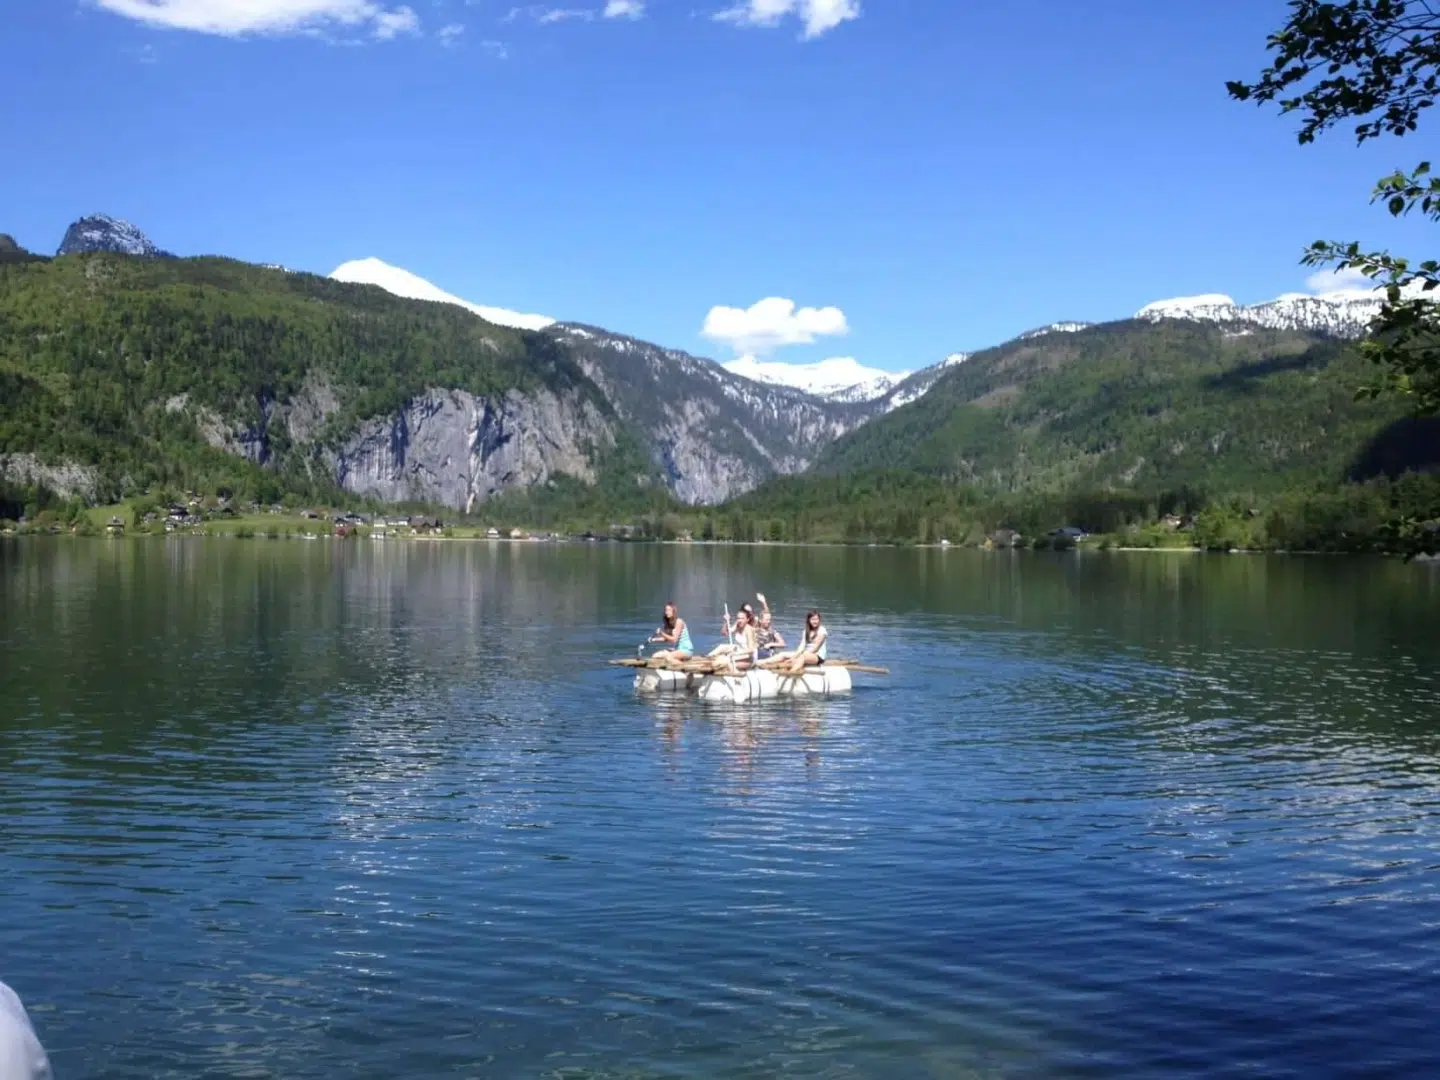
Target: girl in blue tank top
{"x":674,"y":632}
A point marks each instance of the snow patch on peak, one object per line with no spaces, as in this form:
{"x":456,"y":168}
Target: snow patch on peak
{"x":1188,"y":307}
{"x":1068,"y":327}
{"x":840,"y":378}
{"x":955,"y":358}
{"x":1345,"y":313}
{"x":400,"y":282}
{"x":101,"y":232}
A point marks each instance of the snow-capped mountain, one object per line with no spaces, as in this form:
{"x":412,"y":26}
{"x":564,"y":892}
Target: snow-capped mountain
{"x":101,"y":232}
{"x":840,"y":378}
{"x":714,"y":433}
{"x":917,"y":384}
{"x":413,"y":287}
{"x":870,"y":390}
{"x":1345,"y":313}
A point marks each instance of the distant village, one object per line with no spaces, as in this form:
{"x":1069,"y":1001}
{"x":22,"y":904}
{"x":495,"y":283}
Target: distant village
{"x":194,"y":513}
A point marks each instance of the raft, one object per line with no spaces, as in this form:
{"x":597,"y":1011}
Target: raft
{"x":713,"y":682}
{"x":655,"y":680}
{"x":759,"y":684}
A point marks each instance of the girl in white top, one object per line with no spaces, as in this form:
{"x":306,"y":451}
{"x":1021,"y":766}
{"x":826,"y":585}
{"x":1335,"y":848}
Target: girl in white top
{"x":812,"y":645}
{"x":742,"y":652}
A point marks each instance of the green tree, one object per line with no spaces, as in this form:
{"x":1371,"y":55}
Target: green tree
{"x":1376,"y":62}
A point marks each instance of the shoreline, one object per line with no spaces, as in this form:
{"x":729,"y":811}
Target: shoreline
{"x":1086,"y":549}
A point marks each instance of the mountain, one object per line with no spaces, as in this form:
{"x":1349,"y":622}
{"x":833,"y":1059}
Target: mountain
{"x":120,"y":371}
{"x":914,"y":386}
{"x":100,"y":232}
{"x":1134,"y":405}
{"x":839,"y":378}
{"x":11,"y":252}
{"x":403,"y":283}
{"x":142,"y":371}
{"x":1346,"y":313}
{"x":1054,"y":328}
{"x":714,"y":434}
{"x":123,"y":370}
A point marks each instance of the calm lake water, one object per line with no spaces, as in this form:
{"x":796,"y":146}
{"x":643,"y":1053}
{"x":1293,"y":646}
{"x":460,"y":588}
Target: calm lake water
{"x":334,"y":810}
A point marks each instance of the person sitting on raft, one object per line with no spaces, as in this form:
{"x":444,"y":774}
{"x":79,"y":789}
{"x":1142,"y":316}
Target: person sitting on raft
{"x":726,"y":647}
{"x":741,"y":652}
{"x":748,"y":610}
{"x":674,"y":632}
{"x":767,"y":638}
{"x":813,"y":646}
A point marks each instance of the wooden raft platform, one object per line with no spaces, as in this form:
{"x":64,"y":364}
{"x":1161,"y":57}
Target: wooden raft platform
{"x":704,"y":665}
{"x":715,"y":681}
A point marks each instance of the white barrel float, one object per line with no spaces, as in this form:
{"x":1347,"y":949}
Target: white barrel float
{"x":758,"y":685}
{"x":652,"y":681}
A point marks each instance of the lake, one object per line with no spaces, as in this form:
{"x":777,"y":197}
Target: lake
{"x":352,"y":809}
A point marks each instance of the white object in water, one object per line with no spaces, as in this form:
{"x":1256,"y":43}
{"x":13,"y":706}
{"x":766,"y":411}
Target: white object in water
{"x":759,"y":684}
{"x":21,"y":1055}
{"x":652,"y":681}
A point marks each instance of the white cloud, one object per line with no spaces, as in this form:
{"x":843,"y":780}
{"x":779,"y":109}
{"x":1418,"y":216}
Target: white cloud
{"x":496,"y":49}
{"x":236,"y":17}
{"x":402,"y":20}
{"x":818,"y":16}
{"x":624,"y":9}
{"x":1330,"y":281}
{"x":546,"y":15}
{"x":450,"y":35}
{"x":770,"y":324}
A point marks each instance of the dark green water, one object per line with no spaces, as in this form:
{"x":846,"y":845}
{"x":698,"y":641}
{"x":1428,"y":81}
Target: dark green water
{"x":348,"y":809}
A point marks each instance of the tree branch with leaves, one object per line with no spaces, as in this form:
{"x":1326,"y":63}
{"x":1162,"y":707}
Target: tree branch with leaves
{"x":1376,"y":62}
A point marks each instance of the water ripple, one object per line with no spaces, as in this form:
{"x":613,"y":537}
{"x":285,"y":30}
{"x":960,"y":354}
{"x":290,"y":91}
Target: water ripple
{"x":318,"y":810}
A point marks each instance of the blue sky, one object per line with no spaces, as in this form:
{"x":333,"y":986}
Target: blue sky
{"x":945,"y":173}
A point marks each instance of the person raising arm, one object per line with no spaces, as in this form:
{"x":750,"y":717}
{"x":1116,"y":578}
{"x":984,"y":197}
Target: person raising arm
{"x":767,"y":638}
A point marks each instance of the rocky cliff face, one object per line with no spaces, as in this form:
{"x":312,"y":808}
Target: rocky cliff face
{"x":100,"y":232}
{"x":714,"y":433}
{"x":451,"y":447}
{"x":448,"y":447}
{"x":66,"y":479}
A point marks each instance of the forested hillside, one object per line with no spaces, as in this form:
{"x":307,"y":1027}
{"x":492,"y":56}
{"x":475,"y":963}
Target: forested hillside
{"x":150,"y":370}
{"x":1147,"y":407}
{"x":120,"y":374}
